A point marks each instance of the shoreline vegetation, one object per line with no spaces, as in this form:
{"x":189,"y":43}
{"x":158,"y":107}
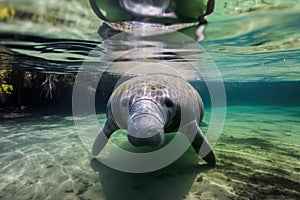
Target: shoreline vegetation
{"x":22,"y":90}
{"x":45,"y":92}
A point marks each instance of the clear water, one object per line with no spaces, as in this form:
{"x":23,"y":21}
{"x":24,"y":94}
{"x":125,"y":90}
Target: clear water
{"x":255,"y":45}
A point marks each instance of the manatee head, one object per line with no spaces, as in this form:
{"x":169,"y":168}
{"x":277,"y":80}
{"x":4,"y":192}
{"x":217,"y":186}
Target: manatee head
{"x":151,"y":111}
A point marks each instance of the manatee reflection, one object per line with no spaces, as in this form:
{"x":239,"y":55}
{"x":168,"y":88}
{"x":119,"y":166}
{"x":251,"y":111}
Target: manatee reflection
{"x":147,"y":17}
{"x":158,"y":11}
{"x":171,"y":53}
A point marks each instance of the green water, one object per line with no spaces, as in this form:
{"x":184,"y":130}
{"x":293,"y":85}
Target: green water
{"x":255,"y":45}
{"x":257,"y":157}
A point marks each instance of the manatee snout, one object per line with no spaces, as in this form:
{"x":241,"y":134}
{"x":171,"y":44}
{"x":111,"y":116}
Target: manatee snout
{"x":146,"y":124}
{"x":151,"y":141}
{"x":145,"y":130}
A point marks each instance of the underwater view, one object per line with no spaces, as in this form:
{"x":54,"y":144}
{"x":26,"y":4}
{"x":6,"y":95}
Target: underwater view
{"x":61,"y":60}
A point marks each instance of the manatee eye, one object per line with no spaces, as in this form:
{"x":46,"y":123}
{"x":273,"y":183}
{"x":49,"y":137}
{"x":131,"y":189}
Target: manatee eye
{"x":169,"y":102}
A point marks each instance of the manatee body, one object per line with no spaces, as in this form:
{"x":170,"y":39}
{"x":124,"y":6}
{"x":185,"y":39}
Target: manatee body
{"x":150,"y":106}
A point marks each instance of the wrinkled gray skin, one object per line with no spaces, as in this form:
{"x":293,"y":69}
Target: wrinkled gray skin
{"x":150,"y":106}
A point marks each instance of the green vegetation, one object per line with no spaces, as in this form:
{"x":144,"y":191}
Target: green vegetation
{"x":6,"y":13}
{"x":5,"y":89}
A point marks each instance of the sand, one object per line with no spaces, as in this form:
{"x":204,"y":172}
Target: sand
{"x":257,"y":154}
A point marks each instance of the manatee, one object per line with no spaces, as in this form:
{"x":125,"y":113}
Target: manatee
{"x":150,"y":106}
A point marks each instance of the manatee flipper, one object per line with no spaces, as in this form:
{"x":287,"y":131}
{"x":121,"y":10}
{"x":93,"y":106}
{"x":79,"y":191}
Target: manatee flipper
{"x":202,"y":147}
{"x":103,"y":136}
{"x":199,"y":142}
